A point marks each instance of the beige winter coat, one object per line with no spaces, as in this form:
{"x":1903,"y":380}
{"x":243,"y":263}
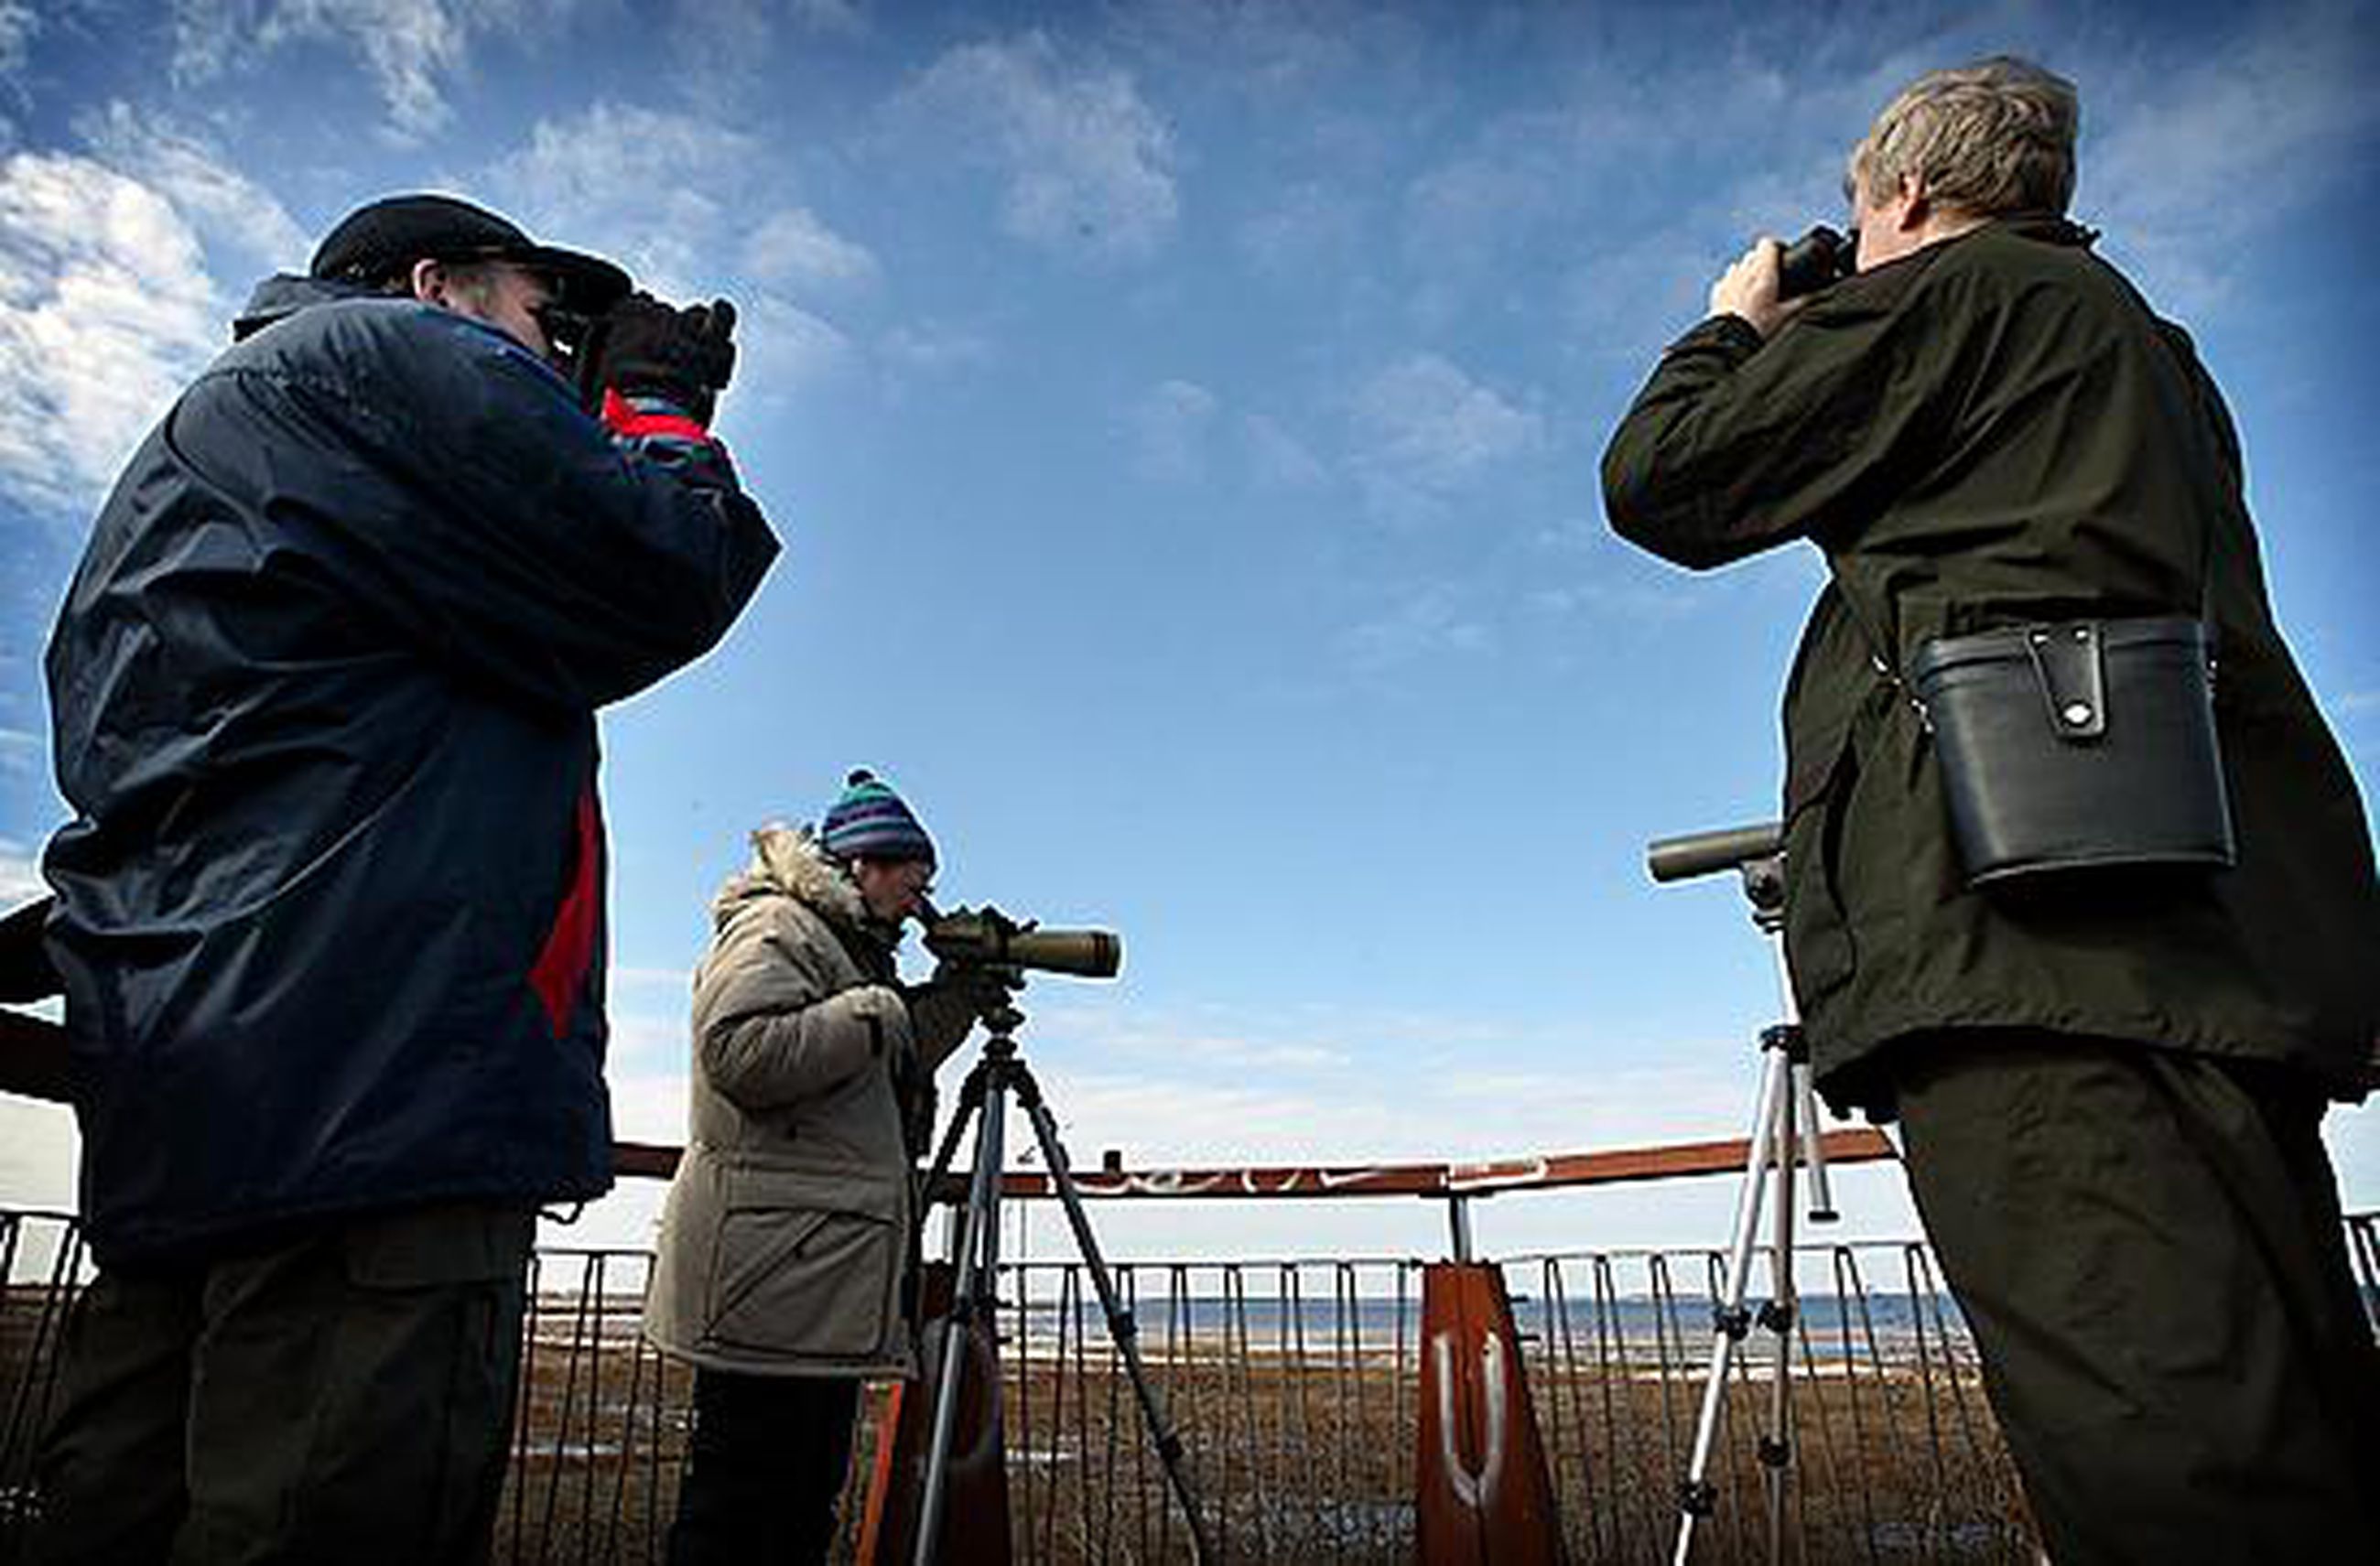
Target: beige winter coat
{"x":785,"y":1240}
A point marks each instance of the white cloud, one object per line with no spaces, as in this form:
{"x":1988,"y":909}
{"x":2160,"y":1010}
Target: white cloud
{"x":2191,"y":166}
{"x":1309,"y":226}
{"x":21,"y":874}
{"x":1171,"y":425}
{"x":646,"y":1035}
{"x":1429,"y":623}
{"x":38,"y":1150}
{"x":932,"y":348}
{"x":228,"y":211}
{"x":407,"y":45}
{"x":793,"y":246}
{"x":106,"y":302}
{"x":1278,"y":459}
{"x":1088,"y":163}
{"x":841,"y":18}
{"x":651,"y":1106}
{"x":655,"y":191}
{"x":783,"y":345}
{"x":1423,"y":423}
{"x":22,"y":751}
{"x":1635,"y":294}
{"x":413,"y":50}
{"x":106,"y":309}
{"x":1170,"y":1094}
{"x":667,"y":196}
{"x":1475,"y":208}
{"x":18,"y":27}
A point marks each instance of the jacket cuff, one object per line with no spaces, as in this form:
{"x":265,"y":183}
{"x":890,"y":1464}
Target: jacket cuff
{"x":643,"y":417}
{"x":1738,"y":337}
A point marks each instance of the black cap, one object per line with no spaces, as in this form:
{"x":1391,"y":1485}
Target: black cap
{"x":375,"y":242}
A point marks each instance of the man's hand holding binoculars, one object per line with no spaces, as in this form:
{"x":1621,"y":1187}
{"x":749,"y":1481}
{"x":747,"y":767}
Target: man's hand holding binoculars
{"x":642,"y":347}
{"x":1750,"y":290}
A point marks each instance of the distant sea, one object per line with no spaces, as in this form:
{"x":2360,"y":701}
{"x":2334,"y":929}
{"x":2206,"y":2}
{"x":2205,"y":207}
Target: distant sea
{"x":1837,"y":1326}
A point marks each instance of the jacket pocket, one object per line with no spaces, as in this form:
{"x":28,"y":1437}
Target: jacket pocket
{"x":804,"y":1281}
{"x":1818,"y":950}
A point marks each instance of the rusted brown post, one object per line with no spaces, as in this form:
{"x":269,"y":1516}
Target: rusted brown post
{"x":1481,"y":1489}
{"x":975,"y":1527}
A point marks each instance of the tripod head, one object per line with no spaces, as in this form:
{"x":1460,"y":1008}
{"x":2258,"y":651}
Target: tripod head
{"x":1757,"y":853}
{"x":1000,"y":1026}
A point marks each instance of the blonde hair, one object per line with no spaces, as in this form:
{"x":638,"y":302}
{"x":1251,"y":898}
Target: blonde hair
{"x":1997,"y":136}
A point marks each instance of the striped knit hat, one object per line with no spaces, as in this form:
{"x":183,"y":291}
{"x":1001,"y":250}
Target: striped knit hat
{"x":870,"y":823}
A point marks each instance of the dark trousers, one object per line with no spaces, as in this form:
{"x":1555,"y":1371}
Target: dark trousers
{"x":764,"y":1470}
{"x":346,"y":1397}
{"x":2147,"y":1245}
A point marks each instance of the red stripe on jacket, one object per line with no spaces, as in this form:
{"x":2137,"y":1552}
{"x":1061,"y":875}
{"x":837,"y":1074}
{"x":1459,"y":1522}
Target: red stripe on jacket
{"x":562,"y":968}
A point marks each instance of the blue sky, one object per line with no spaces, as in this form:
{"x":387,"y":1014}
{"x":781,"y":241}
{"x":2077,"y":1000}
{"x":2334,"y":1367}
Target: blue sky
{"x":1183,"y":420}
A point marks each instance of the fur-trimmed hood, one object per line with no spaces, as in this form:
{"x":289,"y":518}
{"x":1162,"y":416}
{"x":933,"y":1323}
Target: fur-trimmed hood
{"x":788,"y":862}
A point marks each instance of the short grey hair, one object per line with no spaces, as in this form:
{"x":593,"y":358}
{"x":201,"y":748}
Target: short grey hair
{"x":1994,"y":137}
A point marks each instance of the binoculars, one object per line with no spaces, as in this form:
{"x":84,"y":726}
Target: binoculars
{"x":1817,"y":259}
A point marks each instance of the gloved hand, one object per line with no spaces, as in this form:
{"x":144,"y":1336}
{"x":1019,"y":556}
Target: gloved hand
{"x":643,"y":346}
{"x":984,"y":989}
{"x":944,"y":1008}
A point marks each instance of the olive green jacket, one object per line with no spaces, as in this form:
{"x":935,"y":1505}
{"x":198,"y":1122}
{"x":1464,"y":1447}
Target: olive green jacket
{"x":1995,"y":430}
{"x":787,"y":1237}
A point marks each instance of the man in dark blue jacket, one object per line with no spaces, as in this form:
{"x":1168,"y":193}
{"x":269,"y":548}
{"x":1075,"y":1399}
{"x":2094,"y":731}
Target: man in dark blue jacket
{"x":330,"y":912}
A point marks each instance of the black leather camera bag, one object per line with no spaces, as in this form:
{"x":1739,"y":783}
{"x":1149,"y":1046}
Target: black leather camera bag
{"x":2075,"y":746}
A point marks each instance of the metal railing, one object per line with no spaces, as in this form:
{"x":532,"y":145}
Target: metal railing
{"x":1294,"y":1386}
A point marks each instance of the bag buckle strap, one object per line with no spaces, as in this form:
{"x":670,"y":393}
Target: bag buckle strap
{"x":2069,"y":665}
{"x":1901,"y":688}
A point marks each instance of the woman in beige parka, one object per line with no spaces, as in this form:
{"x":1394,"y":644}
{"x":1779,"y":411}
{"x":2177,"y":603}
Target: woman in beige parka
{"x":783,"y":1269}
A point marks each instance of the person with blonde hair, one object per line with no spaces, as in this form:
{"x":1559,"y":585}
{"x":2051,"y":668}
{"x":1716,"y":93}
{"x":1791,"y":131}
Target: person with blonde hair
{"x":2110,"y":1076}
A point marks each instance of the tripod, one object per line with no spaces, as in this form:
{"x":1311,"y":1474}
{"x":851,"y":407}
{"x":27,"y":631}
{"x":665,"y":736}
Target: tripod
{"x":1784,"y":1115}
{"x":999,"y":1073}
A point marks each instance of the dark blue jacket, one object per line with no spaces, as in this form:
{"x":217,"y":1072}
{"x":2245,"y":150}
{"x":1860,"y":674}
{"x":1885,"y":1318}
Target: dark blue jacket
{"x":330,"y":913}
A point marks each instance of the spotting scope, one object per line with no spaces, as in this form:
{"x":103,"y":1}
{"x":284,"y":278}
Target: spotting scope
{"x":989,"y":938}
{"x":1702,"y":853}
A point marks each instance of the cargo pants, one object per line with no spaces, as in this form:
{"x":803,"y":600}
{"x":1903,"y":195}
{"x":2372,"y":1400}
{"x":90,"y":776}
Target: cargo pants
{"x":345,"y":1396}
{"x":2148,"y":1247}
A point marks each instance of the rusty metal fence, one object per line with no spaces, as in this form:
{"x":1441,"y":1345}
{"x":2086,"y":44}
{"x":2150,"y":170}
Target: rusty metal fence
{"x":1294,"y":1386}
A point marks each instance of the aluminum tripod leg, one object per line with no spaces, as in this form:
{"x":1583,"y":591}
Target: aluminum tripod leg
{"x":976,"y":1248}
{"x":1805,"y":1100}
{"x":1777,"y":1447}
{"x":977,"y":1255}
{"x":1122,"y":1330}
{"x":1771,"y":1142}
{"x":1814,"y":1148}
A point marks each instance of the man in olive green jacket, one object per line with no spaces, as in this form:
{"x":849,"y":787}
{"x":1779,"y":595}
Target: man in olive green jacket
{"x":783,"y":1270}
{"x":2111,"y":1089}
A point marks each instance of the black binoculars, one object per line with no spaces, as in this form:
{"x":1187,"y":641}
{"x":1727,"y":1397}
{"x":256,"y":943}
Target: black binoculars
{"x":1817,"y":259}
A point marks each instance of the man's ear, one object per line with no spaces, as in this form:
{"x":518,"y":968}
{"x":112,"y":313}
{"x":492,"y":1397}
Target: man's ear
{"x":1920,"y":205}
{"x":428,"y":280}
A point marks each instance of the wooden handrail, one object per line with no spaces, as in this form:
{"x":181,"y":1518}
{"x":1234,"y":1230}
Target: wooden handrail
{"x":33,"y":1065}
